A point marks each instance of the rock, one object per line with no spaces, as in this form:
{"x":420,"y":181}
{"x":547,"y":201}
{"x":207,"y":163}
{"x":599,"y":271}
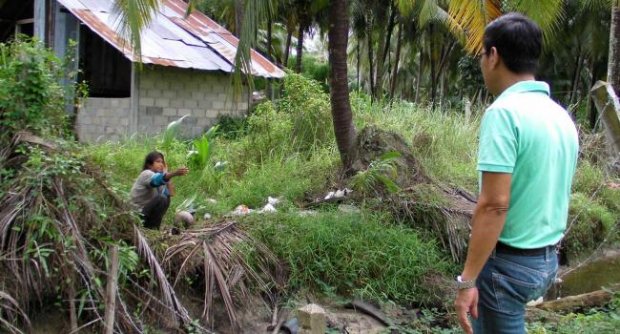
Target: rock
{"x":346,"y":208}
{"x":273,"y":200}
{"x":183,"y":219}
{"x":305,"y":213}
{"x":312,"y":319}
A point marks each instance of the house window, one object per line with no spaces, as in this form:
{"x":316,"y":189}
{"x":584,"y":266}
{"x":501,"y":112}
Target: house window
{"x":16,"y":17}
{"x":25,"y":27}
{"x":106,"y":70}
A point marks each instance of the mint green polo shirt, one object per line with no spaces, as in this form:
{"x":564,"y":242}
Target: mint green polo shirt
{"x":525,"y":133}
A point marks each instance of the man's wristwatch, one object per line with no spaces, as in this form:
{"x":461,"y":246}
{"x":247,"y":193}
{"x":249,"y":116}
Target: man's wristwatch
{"x":462,"y":285}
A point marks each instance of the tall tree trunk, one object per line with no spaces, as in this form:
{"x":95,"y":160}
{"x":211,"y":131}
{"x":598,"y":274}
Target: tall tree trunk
{"x":270,"y":39}
{"x":341,"y":108}
{"x":269,"y":88}
{"x":287,"y":48}
{"x":300,"y":45}
{"x":371,"y":69}
{"x":382,"y":49}
{"x":433,"y":65}
{"x":396,"y":61}
{"x":419,"y":76}
{"x":358,"y":50}
{"x":613,"y":64}
{"x":239,"y":12}
{"x":576,"y":75}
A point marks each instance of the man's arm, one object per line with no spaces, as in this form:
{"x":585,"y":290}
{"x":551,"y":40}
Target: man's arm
{"x":487,"y":224}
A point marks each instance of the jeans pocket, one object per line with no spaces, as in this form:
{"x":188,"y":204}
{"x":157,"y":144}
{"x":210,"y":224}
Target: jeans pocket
{"x":513,"y":292}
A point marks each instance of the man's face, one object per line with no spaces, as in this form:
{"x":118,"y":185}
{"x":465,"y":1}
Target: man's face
{"x":488,"y":64}
{"x":484,"y":68}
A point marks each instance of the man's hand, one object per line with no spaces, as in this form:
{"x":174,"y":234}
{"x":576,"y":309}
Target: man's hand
{"x":466,"y":302}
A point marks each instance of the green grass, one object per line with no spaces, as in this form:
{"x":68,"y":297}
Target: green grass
{"x":595,"y":321}
{"x":444,"y":142}
{"x":360,"y":254}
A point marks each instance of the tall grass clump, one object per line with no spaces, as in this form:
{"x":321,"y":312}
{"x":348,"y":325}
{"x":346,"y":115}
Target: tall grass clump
{"x":353,"y":255}
{"x":444,"y":142}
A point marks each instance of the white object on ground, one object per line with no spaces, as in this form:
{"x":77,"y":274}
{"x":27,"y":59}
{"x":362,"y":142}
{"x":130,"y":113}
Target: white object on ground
{"x":273,"y":200}
{"x":535,"y":302}
{"x":206,"y":216}
{"x":241,"y":210}
{"x":268,"y":208}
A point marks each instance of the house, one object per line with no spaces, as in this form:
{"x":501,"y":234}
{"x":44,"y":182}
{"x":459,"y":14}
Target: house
{"x":186,"y":65}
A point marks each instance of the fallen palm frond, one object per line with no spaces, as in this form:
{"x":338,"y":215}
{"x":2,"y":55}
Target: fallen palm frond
{"x":46,"y":207}
{"x":228,"y":260}
{"x":58,"y":218}
{"x":9,"y":312}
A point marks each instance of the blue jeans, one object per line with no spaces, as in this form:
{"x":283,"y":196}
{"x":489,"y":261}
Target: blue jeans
{"x":505,"y":284}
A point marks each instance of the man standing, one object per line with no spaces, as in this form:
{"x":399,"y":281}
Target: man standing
{"x":527,"y":158}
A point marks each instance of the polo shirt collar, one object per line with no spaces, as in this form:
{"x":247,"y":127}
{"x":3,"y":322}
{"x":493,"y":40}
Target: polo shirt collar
{"x":529,"y":86}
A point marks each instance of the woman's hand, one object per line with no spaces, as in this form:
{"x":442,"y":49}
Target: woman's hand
{"x":181,"y":171}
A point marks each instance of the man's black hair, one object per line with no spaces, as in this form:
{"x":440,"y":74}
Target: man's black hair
{"x":518,"y":41}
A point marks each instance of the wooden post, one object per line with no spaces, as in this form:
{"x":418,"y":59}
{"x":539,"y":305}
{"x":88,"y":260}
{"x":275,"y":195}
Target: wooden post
{"x":72,"y":311}
{"x":312,"y":319}
{"x":110,"y":305}
{"x":608,"y":107}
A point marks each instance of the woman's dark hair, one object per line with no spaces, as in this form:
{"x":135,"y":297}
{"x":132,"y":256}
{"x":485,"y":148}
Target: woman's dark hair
{"x":518,"y":41}
{"x":150,"y":159}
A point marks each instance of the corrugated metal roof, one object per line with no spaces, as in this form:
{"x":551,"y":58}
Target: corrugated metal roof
{"x":172,"y":39}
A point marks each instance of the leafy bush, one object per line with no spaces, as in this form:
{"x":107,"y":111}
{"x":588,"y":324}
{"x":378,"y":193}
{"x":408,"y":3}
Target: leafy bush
{"x":232,"y":127}
{"x":309,"y":110}
{"x":31,"y":94}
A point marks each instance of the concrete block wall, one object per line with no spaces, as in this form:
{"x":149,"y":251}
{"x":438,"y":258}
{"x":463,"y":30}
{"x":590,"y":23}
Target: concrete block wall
{"x":103,"y":119}
{"x":167,"y":93}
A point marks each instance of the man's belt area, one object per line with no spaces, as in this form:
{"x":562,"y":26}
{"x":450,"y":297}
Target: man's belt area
{"x":502,"y":248}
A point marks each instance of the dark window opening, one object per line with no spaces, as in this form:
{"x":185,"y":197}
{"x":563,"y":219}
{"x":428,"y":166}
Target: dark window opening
{"x":16,"y":17}
{"x":25,"y":29}
{"x":106,"y":71}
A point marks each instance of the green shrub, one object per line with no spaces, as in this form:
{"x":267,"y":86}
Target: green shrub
{"x":31,"y":94}
{"x":309,"y":110}
{"x":589,"y":224}
{"x":352,"y":254}
{"x":231,"y":127}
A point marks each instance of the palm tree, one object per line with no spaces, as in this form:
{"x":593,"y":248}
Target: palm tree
{"x":341,"y":107}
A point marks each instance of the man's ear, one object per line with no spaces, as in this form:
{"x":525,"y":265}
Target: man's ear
{"x":493,"y":57}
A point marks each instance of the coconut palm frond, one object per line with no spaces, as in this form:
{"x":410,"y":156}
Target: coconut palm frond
{"x":167,"y":292}
{"x":548,"y":14}
{"x":217,"y":252}
{"x":470,"y":18}
{"x":133,"y":16}
{"x":12,"y":311}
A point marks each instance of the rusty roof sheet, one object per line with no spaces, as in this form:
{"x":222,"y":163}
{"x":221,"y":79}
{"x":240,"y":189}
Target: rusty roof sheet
{"x":172,"y":39}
